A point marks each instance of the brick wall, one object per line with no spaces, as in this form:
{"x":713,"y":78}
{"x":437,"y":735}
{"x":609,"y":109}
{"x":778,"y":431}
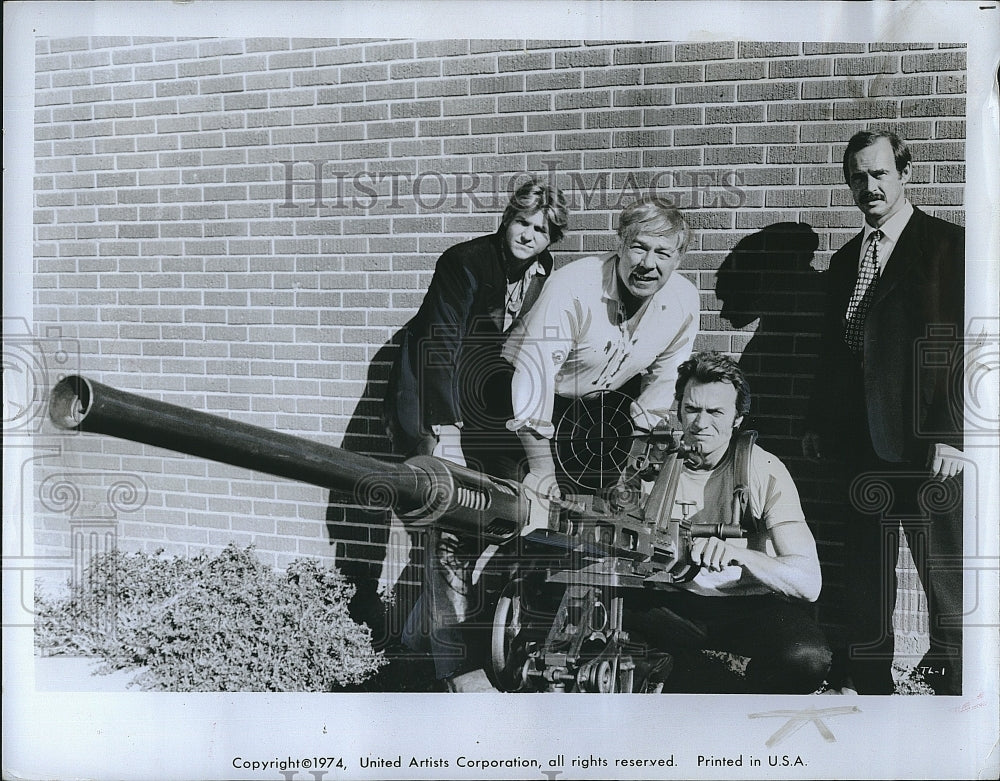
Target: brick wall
{"x":182,"y":245}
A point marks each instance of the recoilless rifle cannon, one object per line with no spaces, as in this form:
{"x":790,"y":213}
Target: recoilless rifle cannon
{"x":557,"y":623}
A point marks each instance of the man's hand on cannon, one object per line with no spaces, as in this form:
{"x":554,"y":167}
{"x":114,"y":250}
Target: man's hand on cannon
{"x":946,"y":461}
{"x":541,"y":490}
{"x":449,"y":445}
{"x":714,"y":554}
{"x":540,"y":482}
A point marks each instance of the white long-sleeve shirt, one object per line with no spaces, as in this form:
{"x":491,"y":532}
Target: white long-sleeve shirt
{"x":577,"y":339}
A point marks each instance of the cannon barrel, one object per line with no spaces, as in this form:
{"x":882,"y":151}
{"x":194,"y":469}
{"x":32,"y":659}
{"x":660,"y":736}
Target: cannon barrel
{"x":422,"y":490}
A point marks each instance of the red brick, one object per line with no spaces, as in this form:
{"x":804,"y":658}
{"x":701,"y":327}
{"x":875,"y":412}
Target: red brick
{"x":468,"y":65}
{"x":599,"y":119}
{"x":940,"y":150}
{"x":934,"y":107}
{"x":839,"y":88}
{"x":674,"y":74}
{"x":442,"y":48}
{"x":596,"y":140}
{"x":704,"y":51}
{"x":734,"y":155}
{"x":733,"y":115}
{"x":798,"y":154}
{"x":284,"y":314}
{"x":524,"y":61}
{"x":940,"y":61}
{"x":708,"y":93}
{"x":682,"y":115}
{"x":767,"y":134}
{"x":643,"y":97}
{"x":751,"y":49}
{"x":735,"y":71}
{"x":799,"y":68}
{"x":862,"y":66}
{"x":703,"y":135}
{"x":484,"y":85}
{"x":515,"y":103}
{"x":866,"y":109}
{"x":504,"y":45}
{"x":833,"y":48}
{"x":633,"y":55}
{"x":901,"y":86}
{"x":950,"y":84}
{"x":949,"y":172}
{"x":575,"y":100}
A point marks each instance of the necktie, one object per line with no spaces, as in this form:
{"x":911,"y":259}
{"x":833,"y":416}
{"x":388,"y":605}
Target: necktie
{"x":861,"y":298}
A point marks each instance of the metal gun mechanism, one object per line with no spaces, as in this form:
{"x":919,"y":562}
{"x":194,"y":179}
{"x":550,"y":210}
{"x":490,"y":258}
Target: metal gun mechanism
{"x":622,"y":535}
{"x":557,"y":623}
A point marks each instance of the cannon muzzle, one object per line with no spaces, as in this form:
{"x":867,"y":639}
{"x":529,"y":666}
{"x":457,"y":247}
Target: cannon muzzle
{"x":422,"y":490}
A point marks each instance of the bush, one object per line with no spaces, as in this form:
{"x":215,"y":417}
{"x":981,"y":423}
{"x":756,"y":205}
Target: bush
{"x":228,"y":623}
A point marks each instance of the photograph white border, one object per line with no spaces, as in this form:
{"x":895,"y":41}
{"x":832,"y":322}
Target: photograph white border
{"x":174,"y":736}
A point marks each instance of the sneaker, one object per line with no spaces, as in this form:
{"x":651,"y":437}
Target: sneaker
{"x":652,"y":672}
{"x":474,"y":681}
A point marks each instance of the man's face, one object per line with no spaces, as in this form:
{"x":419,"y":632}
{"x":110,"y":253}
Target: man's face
{"x":646,"y":263}
{"x":875,"y":183}
{"x":527,"y":235}
{"x":708,"y":418}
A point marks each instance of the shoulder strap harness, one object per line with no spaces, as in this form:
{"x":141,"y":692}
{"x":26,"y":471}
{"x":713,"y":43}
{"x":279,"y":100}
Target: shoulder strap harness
{"x":743,"y":448}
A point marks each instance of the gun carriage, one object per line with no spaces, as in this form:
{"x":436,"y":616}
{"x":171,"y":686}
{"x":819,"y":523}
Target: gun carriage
{"x":567,"y":561}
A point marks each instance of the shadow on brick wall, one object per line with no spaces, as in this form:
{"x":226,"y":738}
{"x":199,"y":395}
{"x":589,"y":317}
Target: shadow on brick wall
{"x":370,"y":548}
{"x":768,"y":276}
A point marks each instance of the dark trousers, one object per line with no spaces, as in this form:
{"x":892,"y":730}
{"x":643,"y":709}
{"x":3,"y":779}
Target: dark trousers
{"x":449,"y":618}
{"x":884,"y":498}
{"x":787,"y":649}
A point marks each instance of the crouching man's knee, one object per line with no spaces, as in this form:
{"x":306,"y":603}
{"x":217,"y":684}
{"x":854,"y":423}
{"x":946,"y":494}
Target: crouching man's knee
{"x":800,"y":668}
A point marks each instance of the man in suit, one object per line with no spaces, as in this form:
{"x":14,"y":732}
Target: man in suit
{"x":895,"y":296}
{"x":449,"y":396}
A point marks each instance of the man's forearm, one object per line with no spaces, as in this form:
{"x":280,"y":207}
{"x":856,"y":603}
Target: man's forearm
{"x":538,"y":449}
{"x":790,"y":575}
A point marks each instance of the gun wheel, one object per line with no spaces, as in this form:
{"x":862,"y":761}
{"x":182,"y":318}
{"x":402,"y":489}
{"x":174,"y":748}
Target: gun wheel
{"x":507,"y":650}
{"x":604,"y":677}
{"x":596,"y":676}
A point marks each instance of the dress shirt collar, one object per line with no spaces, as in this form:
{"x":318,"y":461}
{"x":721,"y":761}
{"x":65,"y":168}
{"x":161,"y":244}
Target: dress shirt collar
{"x":536,"y":269}
{"x":610,"y":278}
{"x":892,"y":227}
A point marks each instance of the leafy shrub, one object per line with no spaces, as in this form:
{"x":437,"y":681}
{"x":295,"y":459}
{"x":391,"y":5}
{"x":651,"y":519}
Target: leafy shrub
{"x":228,"y":623}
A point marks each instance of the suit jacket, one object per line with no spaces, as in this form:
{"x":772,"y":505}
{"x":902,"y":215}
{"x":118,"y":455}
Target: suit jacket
{"x":450,"y":367}
{"x":908,"y":385}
